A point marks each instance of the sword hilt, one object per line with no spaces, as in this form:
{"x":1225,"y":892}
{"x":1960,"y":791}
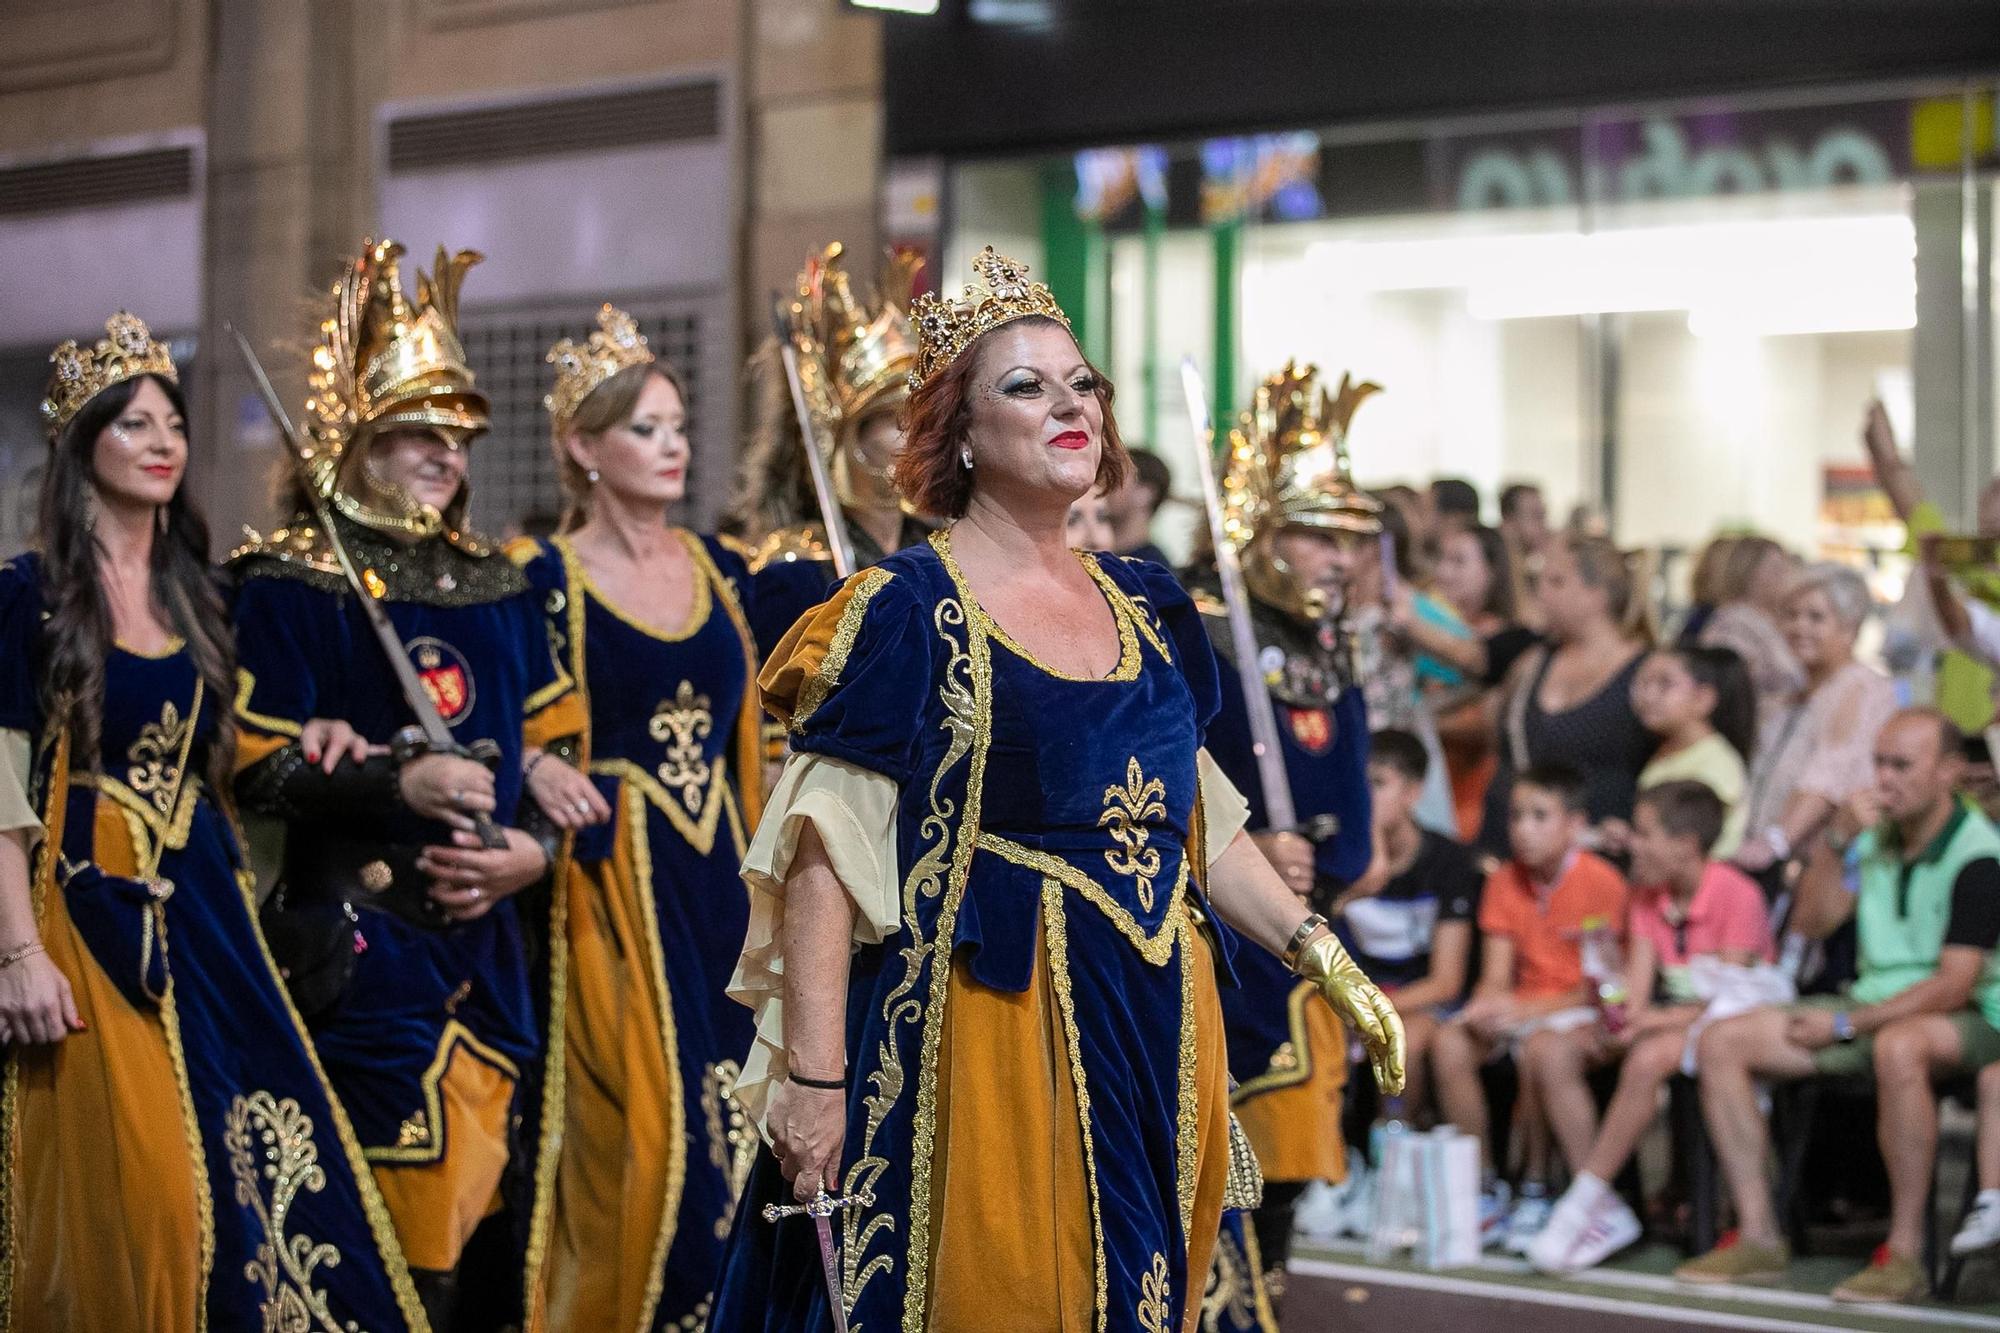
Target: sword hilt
{"x":822,"y":1205}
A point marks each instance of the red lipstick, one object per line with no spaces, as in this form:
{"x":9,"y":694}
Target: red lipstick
{"x":1071,"y":439}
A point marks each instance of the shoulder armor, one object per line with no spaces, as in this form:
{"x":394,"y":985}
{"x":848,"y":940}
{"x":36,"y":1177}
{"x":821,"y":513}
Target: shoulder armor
{"x":300,"y":545}
{"x":805,"y":542}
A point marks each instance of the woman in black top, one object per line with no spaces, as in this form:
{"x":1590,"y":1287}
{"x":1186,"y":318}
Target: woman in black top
{"x":1570,"y":703}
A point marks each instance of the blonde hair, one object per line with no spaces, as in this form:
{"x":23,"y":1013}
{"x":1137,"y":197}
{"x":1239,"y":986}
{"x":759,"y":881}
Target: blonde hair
{"x":604,"y":408}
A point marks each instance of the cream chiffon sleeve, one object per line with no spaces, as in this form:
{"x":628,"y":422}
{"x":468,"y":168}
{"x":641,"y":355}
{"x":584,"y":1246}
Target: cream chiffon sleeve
{"x":16,"y":765}
{"x":854,"y":811}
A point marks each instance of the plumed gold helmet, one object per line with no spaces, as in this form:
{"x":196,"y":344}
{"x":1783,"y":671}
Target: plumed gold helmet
{"x":1288,"y":468}
{"x":384,"y":362}
{"x":854,"y":362}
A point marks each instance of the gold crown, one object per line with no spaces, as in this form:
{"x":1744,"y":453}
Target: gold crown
{"x":82,"y":373}
{"x":1288,"y":467}
{"x":581,"y":367}
{"x":1000,"y":295}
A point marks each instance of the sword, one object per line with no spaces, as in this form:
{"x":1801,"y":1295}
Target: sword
{"x":1279,"y":812}
{"x":821,"y":1211}
{"x":830,"y":513}
{"x":437,"y":736}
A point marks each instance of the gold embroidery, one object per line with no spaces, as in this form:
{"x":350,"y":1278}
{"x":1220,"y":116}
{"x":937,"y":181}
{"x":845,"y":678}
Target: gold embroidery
{"x":682,"y":724}
{"x":155,"y":764}
{"x":1156,"y":948}
{"x":246,"y":685}
{"x":732,"y":1142}
{"x":1291,"y":1064}
{"x":1235,"y":1296}
{"x":281,"y":1134}
{"x":427,"y":1119}
{"x":1155,"y":1308}
{"x":813,"y":692}
{"x":1122,"y":615}
{"x":1126,"y":810}
{"x":698,"y":611}
{"x":977,"y":664}
{"x":699,"y":831}
{"x":1055,"y":933}
{"x":1187,"y":1125}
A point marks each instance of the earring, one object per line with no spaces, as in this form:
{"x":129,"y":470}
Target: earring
{"x":591,"y":476}
{"x":965,"y":457}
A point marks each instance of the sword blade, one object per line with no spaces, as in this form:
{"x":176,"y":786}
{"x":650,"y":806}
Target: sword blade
{"x":1279,"y":811}
{"x":832,"y":517}
{"x":829,"y":1260}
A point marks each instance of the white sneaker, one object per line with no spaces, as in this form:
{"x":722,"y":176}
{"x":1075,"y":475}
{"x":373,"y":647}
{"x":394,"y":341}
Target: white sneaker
{"x":1610,"y":1227}
{"x":1549,"y":1251}
{"x":1530,"y":1215}
{"x":1982,"y":1227}
{"x":1357,"y":1217}
{"x":1320,"y":1212}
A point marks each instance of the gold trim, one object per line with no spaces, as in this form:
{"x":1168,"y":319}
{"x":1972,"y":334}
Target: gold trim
{"x":1055,"y":937}
{"x":1155,"y":1299}
{"x":455,"y":1037}
{"x":246,"y":685}
{"x":978,"y":665}
{"x":285,"y":1265}
{"x":642,"y":883}
{"x":549,"y":693}
{"x":701,"y":835}
{"x":1187,"y":1121}
{"x":1275,"y":1078}
{"x":698,"y":612}
{"x":170,"y":1023}
{"x":1156,"y":948}
{"x":1267,"y":1318}
{"x":818,"y":684}
{"x":175,"y":643}
{"x":1122,"y":616}
{"x":151,"y":835}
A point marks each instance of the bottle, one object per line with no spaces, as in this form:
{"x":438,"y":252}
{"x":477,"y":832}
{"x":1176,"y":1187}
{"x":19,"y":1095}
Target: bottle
{"x":1604,"y":967}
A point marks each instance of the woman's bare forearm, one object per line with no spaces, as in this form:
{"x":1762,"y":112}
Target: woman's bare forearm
{"x":1248,"y":895}
{"x":818,"y":930}
{"x":17,"y":911}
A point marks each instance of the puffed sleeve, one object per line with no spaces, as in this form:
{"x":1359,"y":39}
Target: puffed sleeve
{"x":850,"y":679}
{"x":847,"y":682}
{"x":20,"y":624}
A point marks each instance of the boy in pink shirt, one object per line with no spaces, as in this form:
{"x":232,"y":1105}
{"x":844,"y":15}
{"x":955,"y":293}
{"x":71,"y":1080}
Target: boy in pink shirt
{"x":1690,"y":908}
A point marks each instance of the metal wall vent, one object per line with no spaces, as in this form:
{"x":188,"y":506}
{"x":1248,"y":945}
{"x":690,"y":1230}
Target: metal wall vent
{"x":556,"y":127}
{"x":97,"y":182}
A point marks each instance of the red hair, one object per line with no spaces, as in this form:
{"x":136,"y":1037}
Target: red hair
{"x":936,"y":418}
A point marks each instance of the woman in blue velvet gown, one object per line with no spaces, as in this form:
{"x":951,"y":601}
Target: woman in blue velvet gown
{"x":174,"y":1158}
{"x":988,"y":896}
{"x":646,"y":1050}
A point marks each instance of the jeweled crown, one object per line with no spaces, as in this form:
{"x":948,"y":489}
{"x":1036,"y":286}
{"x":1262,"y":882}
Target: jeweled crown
{"x":581,"y":367}
{"x":1000,"y":295}
{"x":81,"y":373}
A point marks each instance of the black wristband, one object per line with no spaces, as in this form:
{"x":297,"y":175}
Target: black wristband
{"x":823,"y":1084}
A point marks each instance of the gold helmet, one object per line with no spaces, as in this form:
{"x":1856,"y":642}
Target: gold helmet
{"x":384,"y":363}
{"x":1288,"y":468}
{"x":854,"y":362}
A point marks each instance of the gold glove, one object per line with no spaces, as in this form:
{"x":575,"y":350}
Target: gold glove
{"x":1360,"y":1004}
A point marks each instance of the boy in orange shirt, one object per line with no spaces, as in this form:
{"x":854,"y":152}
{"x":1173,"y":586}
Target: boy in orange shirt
{"x":1532,"y":916}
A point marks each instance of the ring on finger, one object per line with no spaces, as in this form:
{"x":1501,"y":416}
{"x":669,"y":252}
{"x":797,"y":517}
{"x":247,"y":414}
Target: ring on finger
{"x":475,"y":893}
{"x":458,"y":798}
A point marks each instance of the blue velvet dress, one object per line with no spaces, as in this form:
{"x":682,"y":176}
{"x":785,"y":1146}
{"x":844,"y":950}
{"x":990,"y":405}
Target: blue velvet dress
{"x":1037,"y":1098}
{"x":654,"y":1147}
{"x":181,"y":1162}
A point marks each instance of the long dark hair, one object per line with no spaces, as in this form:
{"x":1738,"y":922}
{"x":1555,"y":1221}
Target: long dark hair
{"x":1735,"y":715}
{"x":1502,"y":603}
{"x":77,"y":635}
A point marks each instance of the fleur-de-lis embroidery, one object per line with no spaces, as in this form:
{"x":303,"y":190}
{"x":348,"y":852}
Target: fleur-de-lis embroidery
{"x":155,"y":757}
{"x":1126,"y":810}
{"x":1154,"y":1309}
{"x":682,"y":724}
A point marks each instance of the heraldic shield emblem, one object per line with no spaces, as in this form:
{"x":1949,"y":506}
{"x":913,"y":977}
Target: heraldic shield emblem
{"x":446,"y":676}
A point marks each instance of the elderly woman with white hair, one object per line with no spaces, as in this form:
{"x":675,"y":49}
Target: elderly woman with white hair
{"x":1817,"y":752}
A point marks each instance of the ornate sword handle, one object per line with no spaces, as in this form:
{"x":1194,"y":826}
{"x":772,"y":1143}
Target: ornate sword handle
{"x":823,"y":1205}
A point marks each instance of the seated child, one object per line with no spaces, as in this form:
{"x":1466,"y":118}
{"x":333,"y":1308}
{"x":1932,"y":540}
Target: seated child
{"x":1532,"y":914}
{"x":1408,"y":919}
{"x":1685,"y":907}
